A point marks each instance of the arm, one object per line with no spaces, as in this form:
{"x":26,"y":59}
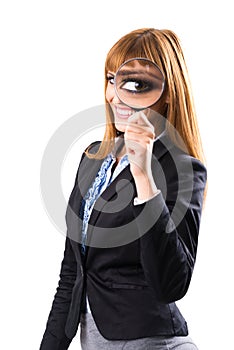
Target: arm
{"x":54,"y":337}
{"x":168,"y":255}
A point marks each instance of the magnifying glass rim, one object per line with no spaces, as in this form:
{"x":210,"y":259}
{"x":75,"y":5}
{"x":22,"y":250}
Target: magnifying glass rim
{"x":139,"y":59}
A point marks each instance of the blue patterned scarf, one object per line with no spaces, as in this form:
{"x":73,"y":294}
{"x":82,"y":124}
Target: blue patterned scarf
{"x":100,"y":183}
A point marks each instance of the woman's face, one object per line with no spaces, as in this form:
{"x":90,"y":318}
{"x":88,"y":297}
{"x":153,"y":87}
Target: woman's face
{"x":120,"y":110}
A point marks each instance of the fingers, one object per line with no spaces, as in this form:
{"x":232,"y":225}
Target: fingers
{"x":140,"y":118}
{"x":142,"y":139}
{"x":139,"y":124}
{"x":140,"y":131}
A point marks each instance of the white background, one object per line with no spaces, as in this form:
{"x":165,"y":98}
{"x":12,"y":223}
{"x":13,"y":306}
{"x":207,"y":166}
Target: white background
{"x":52,"y":61}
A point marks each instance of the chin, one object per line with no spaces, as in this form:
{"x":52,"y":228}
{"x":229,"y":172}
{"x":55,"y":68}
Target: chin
{"x":120,"y":126}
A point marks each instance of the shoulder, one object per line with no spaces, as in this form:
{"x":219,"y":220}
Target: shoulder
{"x":84,"y":161}
{"x":186,"y":161}
{"x":177,"y":162}
{"x":93,"y":147}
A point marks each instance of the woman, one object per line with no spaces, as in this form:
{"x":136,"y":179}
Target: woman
{"x":134,"y":214}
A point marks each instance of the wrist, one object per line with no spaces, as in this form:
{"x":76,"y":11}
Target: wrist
{"x":145,"y":186}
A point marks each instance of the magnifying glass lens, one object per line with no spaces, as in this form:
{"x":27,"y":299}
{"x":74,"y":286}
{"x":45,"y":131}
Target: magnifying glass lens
{"x":139,"y":83}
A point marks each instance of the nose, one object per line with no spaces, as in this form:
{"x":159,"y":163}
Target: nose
{"x":115,"y":98}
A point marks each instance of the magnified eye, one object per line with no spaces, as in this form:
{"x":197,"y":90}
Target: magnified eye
{"x":139,"y":83}
{"x":136,"y":86}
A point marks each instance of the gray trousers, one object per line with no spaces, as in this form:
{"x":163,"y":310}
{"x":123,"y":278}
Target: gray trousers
{"x":91,"y":339}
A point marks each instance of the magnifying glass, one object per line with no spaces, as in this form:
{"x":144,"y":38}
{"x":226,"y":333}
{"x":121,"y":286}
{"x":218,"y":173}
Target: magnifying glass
{"x":139,"y":83}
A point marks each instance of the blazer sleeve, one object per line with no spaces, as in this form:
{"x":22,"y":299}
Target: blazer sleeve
{"x":168,"y":231}
{"x":54,"y":337}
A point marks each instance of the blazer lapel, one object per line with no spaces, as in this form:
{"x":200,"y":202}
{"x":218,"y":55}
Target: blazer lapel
{"x":90,"y":167}
{"x":162,"y":145}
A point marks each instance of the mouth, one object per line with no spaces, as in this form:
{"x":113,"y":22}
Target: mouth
{"x":123,"y":112}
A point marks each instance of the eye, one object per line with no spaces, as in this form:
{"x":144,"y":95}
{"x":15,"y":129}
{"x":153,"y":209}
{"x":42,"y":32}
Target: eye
{"x":136,"y":86}
{"x":110,"y":79}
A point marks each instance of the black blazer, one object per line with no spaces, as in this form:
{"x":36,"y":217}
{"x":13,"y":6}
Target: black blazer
{"x":139,"y":259}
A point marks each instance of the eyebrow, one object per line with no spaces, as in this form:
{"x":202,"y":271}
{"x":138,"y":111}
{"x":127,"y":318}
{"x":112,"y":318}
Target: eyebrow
{"x":129,"y":72}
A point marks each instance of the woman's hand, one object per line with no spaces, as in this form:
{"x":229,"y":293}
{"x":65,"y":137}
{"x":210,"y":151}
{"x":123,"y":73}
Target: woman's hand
{"x":139,"y":139}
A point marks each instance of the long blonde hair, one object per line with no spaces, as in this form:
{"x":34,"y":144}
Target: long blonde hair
{"x":163,"y":48}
